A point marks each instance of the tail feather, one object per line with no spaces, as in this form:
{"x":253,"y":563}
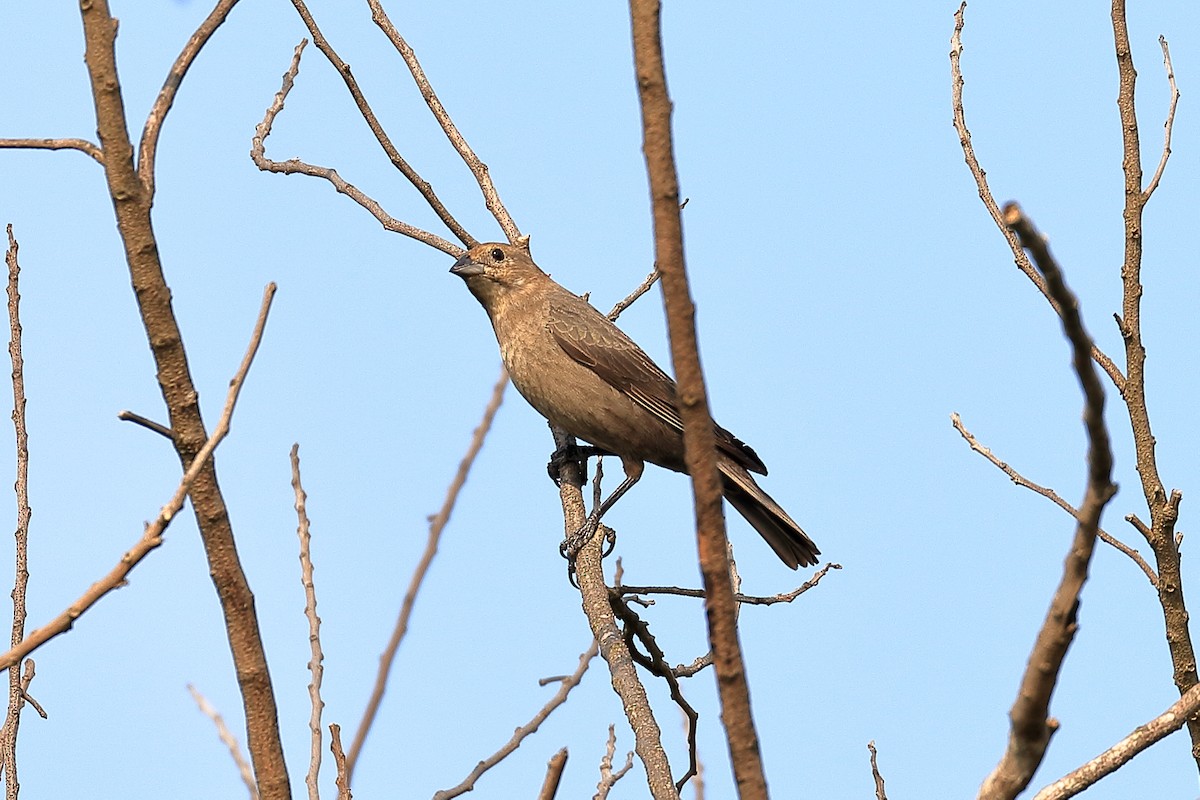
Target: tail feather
{"x":786,"y":538}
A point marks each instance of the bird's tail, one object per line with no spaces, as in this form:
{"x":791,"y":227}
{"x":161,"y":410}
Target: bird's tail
{"x":786,"y":538}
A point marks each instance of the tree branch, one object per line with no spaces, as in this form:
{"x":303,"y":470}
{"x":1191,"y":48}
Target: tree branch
{"x":699,"y":442}
{"x":152,"y":536}
{"x":989,"y":202}
{"x":1163,"y":507}
{"x":1031,"y":728}
{"x":296,"y":166}
{"x":437,"y":524}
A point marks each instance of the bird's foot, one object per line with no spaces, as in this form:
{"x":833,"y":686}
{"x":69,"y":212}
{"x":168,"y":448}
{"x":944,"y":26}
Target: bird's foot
{"x":571,"y":454}
{"x":573,"y":544}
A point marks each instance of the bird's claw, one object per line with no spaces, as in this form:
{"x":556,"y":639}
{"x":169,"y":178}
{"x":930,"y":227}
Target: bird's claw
{"x":570,"y":547}
{"x":571,"y":454}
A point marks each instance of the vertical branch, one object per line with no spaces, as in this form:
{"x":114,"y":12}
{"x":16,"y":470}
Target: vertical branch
{"x":1031,"y":724}
{"x":131,"y":203}
{"x":314,"y":627}
{"x":16,"y":691}
{"x":698,"y":436}
{"x":1163,"y":506}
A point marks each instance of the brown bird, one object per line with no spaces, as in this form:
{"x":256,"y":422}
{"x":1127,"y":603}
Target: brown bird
{"x":587,"y":377}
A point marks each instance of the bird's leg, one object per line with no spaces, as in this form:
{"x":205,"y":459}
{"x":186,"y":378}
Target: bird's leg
{"x":571,"y":452}
{"x":575,"y":542}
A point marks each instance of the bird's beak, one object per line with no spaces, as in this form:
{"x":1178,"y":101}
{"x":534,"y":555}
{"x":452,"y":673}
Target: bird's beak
{"x":466,"y":268}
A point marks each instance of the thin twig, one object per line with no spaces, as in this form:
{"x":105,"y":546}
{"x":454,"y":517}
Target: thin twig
{"x":296,"y":166}
{"x":1050,"y":495}
{"x":148,"y":424}
{"x":655,"y":661}
{"x":152,"y":537}
{"x":1123,"y":751}
{"x":381,"y":136}
{"x":1032,"y":727}
{"x":17,"y":689}
{"x":632,"y":297}
{"x":339,"y":761}
{"x":880,"y":792}
{"x":560,"y":697}
{"x":315,"y":663}
{"x":166,"y":96}
{"x":985,"y":194}
{"x":437,"y":524}
{"x":491,"y":197}
{"x":82,"y":145}
{"x":228,"y":739}
{"x":609,"y":776}
{"x":1169,"y":124}
{"x":554,"y":773}
{"x":745,"y":599}
{"x":26,"y":680}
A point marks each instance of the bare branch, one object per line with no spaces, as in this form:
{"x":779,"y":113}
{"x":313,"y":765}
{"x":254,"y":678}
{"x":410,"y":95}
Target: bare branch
{"x":166,"y":96}
{"x":744,"y":599}
{"x":296,"y":166}
{"x":339,"y":762}
{"x":554,"y":771}
{"x":148,"y":424}
{"x":82,"y":145}
{"x":609,"y":776}
{"x":985,"y":193}
{"x":228,"y":739}
{"x":880,"y":792}
{"x":314,"y":627}
{"x":700,"y":452}
{"x":1031,"y":729}
{"x":633,"y":296}
{"x":152,"y":537}
{"x":436,"y":525}
{"x":1163,"y":506}
{"x":1050,"y":495}
{"x":491,"y":197}
{"x":560,"y":697}
{"x":1169,"y":124}
{"x":17,"y":688}
{"x":1123,"y":751}
{"x":381,"y":136}
{"x":656,"y":663}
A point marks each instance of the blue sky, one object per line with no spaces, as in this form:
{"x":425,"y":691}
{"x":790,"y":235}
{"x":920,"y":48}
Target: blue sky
{"x":851,"y":293}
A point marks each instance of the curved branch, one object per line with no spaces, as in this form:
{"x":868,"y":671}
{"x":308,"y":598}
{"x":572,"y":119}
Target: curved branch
{"x":82,"y":145}
{"x":1032,"y":727}
{"x":381,"y":136}
{"x":491,"y":197}
{"x":296,"y":166}
{"x":989,"y":201}
{"x":148,"y":148}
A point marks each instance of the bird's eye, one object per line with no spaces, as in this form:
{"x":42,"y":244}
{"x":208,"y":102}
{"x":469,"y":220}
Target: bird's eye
{"x":497,"y":254}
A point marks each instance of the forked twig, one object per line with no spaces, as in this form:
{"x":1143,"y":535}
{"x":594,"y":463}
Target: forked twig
{"x":152,"y":536}
{"x":1050,"y":495}
{"x":525,"y":730}
{"x":989,"y":201}
{"x":491,"y":197}
{"x":296,"y":166}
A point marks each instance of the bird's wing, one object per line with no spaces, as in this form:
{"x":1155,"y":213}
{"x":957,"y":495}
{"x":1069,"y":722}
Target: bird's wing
{"x":592,"y":340}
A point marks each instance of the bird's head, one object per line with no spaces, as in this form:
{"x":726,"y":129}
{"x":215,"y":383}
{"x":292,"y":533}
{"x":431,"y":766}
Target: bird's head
{"x":494,"y":270}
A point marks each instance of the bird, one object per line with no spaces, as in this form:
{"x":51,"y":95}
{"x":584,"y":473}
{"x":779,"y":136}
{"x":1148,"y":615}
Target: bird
{"x":586,"y":376}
